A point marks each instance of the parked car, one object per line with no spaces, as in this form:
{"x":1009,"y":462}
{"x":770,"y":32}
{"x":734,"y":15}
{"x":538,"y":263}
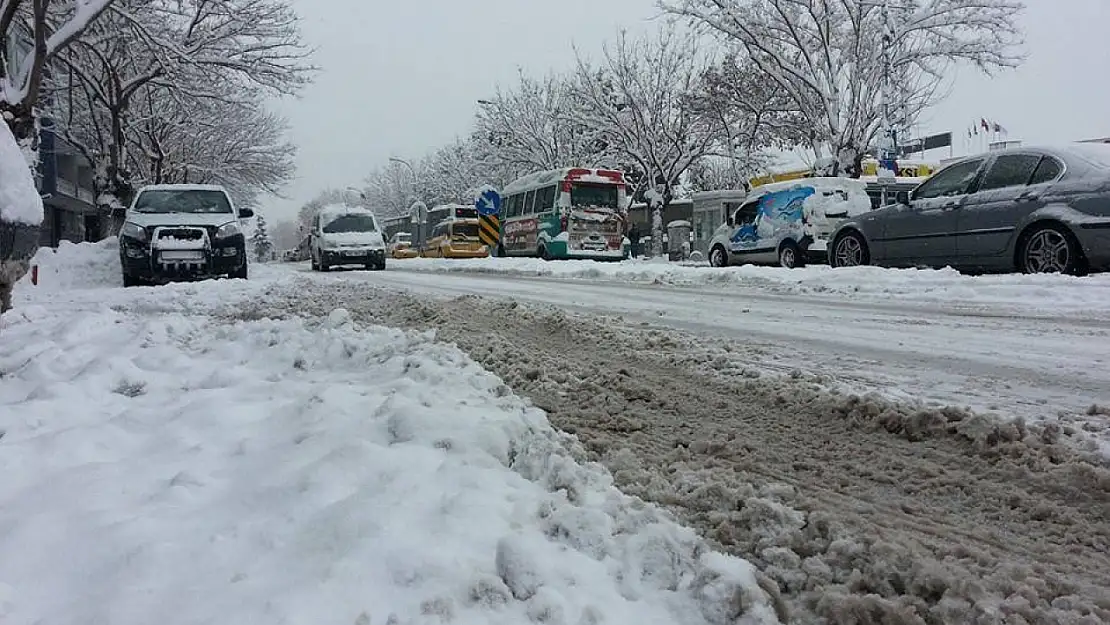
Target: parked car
{"x":787,"y":223}
{"x":400,"y":246}
{"x":182,"y":232}
{"x":1035,"y":210}
{"x":455,"y":238}
{"x":346,"y":235}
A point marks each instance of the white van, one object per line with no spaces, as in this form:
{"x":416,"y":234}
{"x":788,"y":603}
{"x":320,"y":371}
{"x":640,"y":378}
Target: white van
{"x":346,"y":235}
{"x":787,"y":223}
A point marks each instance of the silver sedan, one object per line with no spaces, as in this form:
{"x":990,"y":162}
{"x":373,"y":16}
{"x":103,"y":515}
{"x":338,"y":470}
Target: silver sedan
{"x":1035,"y":210}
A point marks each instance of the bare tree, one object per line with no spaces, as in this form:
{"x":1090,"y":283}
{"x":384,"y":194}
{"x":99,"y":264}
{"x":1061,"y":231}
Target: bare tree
{"x":31,"y":35}
{"x":194,"y":50}
{"x":453,"y":173}
{"x":237,"y":144}
{"x":315,"y":205}
{"x":526,"y":129}
{"x":39,"y":30}
{"x":286,"y":235}
{"x":638,"y":102}
{"x":392,"y":188}
{"x":838,"y":61}
{"x":750,"y":115}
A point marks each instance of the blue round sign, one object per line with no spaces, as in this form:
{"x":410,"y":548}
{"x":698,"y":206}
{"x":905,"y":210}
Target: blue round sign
{"x":488,"y":202}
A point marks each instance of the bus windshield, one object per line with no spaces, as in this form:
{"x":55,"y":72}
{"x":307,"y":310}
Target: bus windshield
{"x":593,"y":195}
{"x":459,"y":231}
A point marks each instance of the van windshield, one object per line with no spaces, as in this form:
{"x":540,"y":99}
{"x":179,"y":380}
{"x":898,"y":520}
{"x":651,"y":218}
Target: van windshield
{"x":182,"y":201}
{"x":351,"y":223}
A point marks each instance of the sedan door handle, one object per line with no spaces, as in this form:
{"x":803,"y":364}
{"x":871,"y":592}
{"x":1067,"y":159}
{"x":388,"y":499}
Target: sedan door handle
{"x":1028,"y":196}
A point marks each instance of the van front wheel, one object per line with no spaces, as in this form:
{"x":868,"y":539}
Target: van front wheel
{"x":790,"y":255}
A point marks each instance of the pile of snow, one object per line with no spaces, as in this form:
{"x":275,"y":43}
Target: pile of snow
{"x":74,"y":266}
{"x":187,"y":469}
{"x":1048,"y":294}
{"x":20,"y":201}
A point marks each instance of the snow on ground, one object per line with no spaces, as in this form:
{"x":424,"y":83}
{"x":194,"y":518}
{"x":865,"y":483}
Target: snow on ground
{"x":170,"y":457}
{"x":1044,"y":294}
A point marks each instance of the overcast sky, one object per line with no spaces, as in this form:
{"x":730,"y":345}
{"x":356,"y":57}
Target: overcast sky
{"x":402,"y":78}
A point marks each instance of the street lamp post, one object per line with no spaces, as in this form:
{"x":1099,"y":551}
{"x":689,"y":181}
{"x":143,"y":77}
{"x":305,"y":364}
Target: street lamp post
{"x":421,"y":216}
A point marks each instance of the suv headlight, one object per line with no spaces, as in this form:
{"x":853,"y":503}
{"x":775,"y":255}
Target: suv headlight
{"x":133,"y":231}
{"x":228,"y":230}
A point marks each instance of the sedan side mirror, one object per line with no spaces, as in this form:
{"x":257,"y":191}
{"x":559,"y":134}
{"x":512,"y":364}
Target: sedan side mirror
{"x":245,"y":213}
{"x":903,"y":198}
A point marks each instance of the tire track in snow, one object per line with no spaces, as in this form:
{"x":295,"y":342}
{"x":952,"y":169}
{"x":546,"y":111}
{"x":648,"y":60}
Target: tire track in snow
{"x":863,"y":510}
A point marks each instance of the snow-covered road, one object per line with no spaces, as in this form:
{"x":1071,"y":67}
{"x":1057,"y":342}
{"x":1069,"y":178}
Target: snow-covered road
{"x":1022,"y":362}
{"x":277,"y":449}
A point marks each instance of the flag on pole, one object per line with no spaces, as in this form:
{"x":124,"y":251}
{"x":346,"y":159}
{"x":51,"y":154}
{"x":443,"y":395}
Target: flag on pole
{"x":984,"y":124}
{"x":999,"y":129}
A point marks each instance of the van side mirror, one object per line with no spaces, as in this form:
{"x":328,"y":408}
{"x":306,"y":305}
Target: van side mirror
{"x":729,"y":222}
{"x":902,"y":197}
{"x":245,"y":213}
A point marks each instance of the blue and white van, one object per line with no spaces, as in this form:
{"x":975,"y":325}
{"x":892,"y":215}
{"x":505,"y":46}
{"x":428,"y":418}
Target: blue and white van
{"x":787,"y":223}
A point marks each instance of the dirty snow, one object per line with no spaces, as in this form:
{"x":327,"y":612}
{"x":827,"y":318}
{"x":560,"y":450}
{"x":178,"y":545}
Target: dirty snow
{"x":861,"y":509}
{"x":1045,"y":294}
{"x":20,"y":201}
{"x":199,"y":453}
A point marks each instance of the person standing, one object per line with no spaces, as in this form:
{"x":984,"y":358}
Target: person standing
{"x":634,"y":239}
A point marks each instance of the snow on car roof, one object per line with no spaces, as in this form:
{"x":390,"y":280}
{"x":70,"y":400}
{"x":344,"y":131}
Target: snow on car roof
{"x":551,"y":176}
{"x":332,"y":212}
{"x":823,"y":183}
{"x":183,"y":187}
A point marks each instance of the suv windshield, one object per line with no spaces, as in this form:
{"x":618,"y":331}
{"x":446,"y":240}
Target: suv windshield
{"x":593,"y":195}
{"x":182,"y":201}
{"x":352,"y":222}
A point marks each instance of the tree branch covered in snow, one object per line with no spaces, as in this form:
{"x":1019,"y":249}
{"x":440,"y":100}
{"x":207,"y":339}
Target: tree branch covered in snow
{"x":527,"y":129}
{"x":40,"y":30}
{"x":325,"y":198}
{"x":638,"y":103}
{"x":237,"y":144}
{"x":827,"y":56}
{"x":206,"y":59}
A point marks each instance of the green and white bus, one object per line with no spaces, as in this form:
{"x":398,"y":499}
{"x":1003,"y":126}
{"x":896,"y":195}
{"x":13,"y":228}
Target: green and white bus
{"x":566,"y":213}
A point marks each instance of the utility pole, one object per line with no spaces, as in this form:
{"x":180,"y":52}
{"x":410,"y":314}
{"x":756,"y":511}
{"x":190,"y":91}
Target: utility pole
{"x":891,"y":120}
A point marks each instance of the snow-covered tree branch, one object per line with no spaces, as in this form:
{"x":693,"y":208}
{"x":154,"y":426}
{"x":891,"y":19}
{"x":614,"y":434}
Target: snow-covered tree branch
{"x":835,"y":60}
{"x":638,"y":103}
{"x":181,"y":58}
{"x":37,"y":31}
{"x":526,"y":129}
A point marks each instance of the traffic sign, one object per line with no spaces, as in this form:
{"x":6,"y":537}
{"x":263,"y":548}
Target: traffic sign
{"x":488,"y":203}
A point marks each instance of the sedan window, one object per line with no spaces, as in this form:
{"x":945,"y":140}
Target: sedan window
{"x":952,"y":180}
{"x":1047,"y":171}
{"x":1010,"y":170}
